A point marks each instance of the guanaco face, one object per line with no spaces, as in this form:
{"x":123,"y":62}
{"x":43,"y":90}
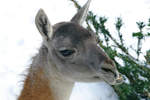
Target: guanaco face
{"x":73,"y":50}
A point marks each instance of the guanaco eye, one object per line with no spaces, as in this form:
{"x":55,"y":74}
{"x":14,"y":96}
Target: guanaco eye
{"x":67,"y":52}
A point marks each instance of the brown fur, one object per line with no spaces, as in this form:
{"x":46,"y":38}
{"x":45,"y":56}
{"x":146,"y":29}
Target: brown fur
{"x":36,"y":87}
{"x":36,"y":84}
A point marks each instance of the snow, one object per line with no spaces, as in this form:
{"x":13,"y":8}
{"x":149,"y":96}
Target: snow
{"x":121,"y":62}
{"x":142,"y":78}
{"x":20,"y":40}
{"x":148,"y":66}
{"x":126,"y":80}
{"x":93,"y":91}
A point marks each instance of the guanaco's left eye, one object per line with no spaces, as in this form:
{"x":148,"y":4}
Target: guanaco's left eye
{"x":67,"y":52}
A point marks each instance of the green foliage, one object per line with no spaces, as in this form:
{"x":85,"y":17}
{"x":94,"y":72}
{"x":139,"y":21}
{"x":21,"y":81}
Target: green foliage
{"x":141,"y":25}
{"x":135,"y":70}
{"x":138,"y":34}
{"x":118,"y":23}
{"x":147,"y":56}
{"x":148,"y":22}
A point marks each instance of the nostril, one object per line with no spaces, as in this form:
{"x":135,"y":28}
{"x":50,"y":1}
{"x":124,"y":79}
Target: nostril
{"x":108,"y":61}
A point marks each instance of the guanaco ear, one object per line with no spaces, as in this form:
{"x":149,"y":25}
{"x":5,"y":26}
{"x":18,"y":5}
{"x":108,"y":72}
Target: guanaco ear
{"x":43,"y":25}
{"x":81,"y":15}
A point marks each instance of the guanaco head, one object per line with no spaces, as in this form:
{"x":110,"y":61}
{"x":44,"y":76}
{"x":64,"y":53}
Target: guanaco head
{"x":74,"y":50}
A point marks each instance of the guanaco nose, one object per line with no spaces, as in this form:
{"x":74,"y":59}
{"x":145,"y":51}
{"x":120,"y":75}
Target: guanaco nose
{"x":110,"y":67}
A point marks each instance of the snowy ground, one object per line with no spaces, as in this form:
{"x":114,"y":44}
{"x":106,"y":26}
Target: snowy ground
{"x":20,"y":40}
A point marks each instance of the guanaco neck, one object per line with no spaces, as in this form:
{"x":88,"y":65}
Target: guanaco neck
{"x":41,"y":84}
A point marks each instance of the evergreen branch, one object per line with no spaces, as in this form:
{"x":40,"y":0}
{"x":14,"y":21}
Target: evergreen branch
{"x":118,"y":25}
{"x":141,"y":25}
